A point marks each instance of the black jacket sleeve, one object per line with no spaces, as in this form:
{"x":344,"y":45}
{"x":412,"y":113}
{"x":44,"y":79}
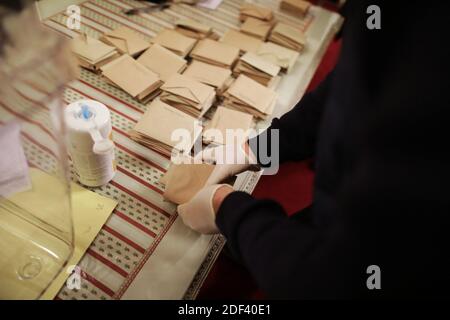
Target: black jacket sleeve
{"x":298,"y":128}
{"x":288,"y":257}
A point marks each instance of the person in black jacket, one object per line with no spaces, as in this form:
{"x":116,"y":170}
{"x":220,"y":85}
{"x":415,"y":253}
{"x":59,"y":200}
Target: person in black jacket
{"x":378,"y":130}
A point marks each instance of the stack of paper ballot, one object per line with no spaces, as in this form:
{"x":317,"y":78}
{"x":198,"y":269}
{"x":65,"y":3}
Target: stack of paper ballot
{"x":132,"y":77}
{"x":224,"y":124}
{"x":162,"y":61}
{"x":278,"y":55}
{"x":288,"y":36}
{"x":154,"y":130}
{"x":298,"y":7}
{"x":242,"y":41}
{"x":249,"y":96}
{"x":188,"y":95}
{"x":257,"y":68}
{"x":194,"y":29}
{"x":126,"y":41}
{"x":255,"y":11}
{"x":183,"y":181}
{"x":175,"y":42}
{"x":217,"y":77}
{"x":216,"y":53}
{"x":92,"y":53}
{"x":257,"y":28}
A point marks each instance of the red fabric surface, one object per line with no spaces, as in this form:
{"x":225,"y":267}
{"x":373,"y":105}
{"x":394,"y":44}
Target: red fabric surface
{"x":230,"y":280}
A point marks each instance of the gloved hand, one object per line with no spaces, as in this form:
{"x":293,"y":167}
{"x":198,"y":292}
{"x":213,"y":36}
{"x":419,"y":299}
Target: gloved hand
{"x":230,"y":160}
{"x":199,"y":213}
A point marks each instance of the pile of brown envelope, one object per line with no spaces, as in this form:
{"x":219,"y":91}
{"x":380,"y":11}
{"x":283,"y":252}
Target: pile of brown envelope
{"x":183,"y":181}
{"x":217,"y":131}
{"x":249,"y":96}
{"x":278,"y":55}
{"x":194,"y":29}
{"x":126,"y":41}
{"x":217,"y":77}
{"x":132,"y":77}
{"x":241,"y":40}
{"x":92,"y":53}
{"x":288,"y":36}
{"x":298,"y":7}
{"x":188,"y":95}
{"x":255,"y":11}
{"x":154,"y":130}
{"x":216,"y":53}
{"x":257,"y":68}
{"x":257,"y":28}
{"x":175,"y":42}
{"x":162,"y":61}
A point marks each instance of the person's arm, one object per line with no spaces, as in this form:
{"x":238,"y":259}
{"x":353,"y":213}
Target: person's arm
{"x":289,"y":258}
{"x":390,"y":210}
{"x":297,"y":132}
{"x":298,"y":128}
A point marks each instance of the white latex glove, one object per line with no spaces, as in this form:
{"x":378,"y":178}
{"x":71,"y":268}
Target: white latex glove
{"x":198,"y":214}
{"x":230,"y":160}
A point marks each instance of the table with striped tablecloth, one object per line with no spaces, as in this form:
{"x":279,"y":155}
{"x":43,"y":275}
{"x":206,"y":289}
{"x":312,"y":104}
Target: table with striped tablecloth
{"x":144,"y":251}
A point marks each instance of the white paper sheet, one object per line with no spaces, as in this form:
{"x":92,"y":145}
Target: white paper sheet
{"x":209,"y":4}
{"x":13,"y":163}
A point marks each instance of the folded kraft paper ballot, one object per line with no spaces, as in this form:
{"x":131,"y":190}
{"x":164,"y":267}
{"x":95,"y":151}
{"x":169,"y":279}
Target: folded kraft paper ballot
{"x":188,"y":95}
{"x":281,"y":56}
{"x":240,"y":40}
{"x":257,"y":68}
{"x":249,"y":96}
{"x":194,"y":29}
{"x":226,"y":119}
{"x":162,"y":61}
{"x":132,"y":77}
{"x":257,"y":28}
{"x":297,"y":7}
{"x":255,"y":11}
{"x":183,"y":181}
{"x":154,"y":130}
{"x":216,"y":53}
{"x":217,"y":77}
{"x":288,"y":36}
{"x":91,"y":53}
{"x":126,"y":41}
{"x":175,"y":42}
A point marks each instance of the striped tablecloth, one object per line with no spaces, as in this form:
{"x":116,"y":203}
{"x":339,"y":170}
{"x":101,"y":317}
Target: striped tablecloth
{"x":135,"y":241}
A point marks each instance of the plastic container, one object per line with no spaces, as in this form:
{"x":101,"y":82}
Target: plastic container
{"x":36,"y":231}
